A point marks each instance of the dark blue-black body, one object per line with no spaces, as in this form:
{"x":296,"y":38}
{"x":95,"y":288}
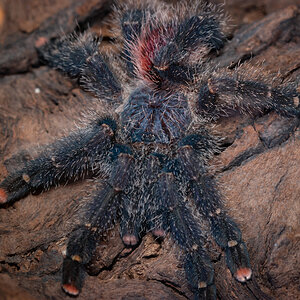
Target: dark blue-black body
{"x":151,"y":147}
{"x":155,"y":116}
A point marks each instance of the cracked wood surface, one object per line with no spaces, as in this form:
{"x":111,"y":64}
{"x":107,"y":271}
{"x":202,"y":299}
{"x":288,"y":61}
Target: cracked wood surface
{"x":258,"y":171}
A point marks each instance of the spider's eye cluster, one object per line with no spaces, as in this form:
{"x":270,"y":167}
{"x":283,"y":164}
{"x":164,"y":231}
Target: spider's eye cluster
{"x":148,"y":113}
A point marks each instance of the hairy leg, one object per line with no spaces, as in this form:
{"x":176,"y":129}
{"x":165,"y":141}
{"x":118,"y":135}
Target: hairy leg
{"x":80,"y":154}
{"x":208,"y":201}
{"x":155,"y":213}
{"x":193,"y":39}
{"x":78,"y":56}
{"x":222,"y":95}
{"x":187,"y":234}
{"x":100,"y":213}
{"x":131,"y":23}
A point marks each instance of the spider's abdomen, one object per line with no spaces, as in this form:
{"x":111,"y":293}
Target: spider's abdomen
{"x":152,"y":116}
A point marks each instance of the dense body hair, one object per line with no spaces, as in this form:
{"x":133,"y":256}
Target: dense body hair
{"x":162,"y":93}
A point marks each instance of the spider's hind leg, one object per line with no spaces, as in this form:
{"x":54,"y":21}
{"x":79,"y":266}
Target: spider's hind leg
{"x":82,"y":243}
{"x":186,"y":232}
{"x":100,"y":214}
{"x":208,"y":201}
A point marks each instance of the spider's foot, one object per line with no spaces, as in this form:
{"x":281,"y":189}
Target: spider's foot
{"x":40,"y":42}
{"x":19,"y":184}
{"x":3,"y":196}
{"x":237,"y":260}
{"x":130,"y":225}
{"x":228,"y":236}
{"x":130,"y":239}
{"x":200,"y":275}
{"x":243,"y":274}
{"x":159,"y":233}
{"x":13,"y":188}
{"x":70,"y":289}
{"x":72,"y":276}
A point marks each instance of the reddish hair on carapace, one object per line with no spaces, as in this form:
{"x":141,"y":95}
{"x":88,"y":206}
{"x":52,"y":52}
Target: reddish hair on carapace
{"x":152,"y":39}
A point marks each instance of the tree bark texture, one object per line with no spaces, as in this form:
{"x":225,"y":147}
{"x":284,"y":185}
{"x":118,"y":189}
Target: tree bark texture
{"x":258,"y":171}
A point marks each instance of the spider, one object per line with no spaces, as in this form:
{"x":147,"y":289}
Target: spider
{"x":153,"y":138}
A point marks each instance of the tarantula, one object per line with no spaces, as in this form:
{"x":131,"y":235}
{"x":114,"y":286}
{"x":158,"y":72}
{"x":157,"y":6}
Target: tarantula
{"x":161,"y":93}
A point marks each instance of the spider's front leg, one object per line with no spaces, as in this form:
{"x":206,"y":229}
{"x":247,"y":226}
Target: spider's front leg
{"x":79,"y":56}
{"x":81,"y":154}
{"x":222,"y":95}
{"x":178,"y":61}
{"x":171,"y":53}
{"x":131,"y":24}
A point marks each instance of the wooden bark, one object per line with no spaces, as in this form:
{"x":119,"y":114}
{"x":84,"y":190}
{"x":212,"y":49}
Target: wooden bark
{"x":258,"y":171}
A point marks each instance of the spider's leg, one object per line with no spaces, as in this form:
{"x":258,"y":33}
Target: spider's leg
{"x":224,"y":230}
{"x":122,"y":179}
{"x":199,"y":30}
{"x":222,"y":95}
{"x":133,"y":205}
{"x":208,"y":201}
{"x":131,"y":23}
{"x":81,"y":154}
{"x":131,"y":222}
{"x":79,"y":56}
{"x":200,"y":274}
{"x":194,"y":38}
{"x":101,"y":212}
{"x":83,"y":241}
{"x":191,"y":35}
{"x":155,"y":214}
{"x":185,"y":231}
